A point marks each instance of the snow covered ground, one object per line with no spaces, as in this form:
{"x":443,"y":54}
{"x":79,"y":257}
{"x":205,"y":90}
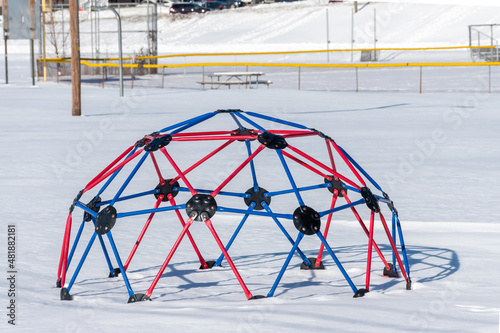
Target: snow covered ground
{"x":436,"y":154}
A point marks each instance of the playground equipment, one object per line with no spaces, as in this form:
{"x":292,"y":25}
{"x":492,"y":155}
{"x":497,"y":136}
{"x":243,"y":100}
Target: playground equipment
{"x":281,"y":171}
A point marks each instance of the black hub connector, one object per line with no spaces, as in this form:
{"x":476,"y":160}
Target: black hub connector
{"x":77,"y":198}
{"x":408,"y":284}
{"x":313,"y":264}
{"x":306,"y":220}
{"x":210,"y":264}
{"x":201,"y":207}
{"x":166,"y":189}
{"x":256,"y":297}
{"x":105,"y":220}
{"x":95,"y":205}
{"x":336,"y":185}
{"x":370,"y":199}
{"x":391,"y":272}
{"x":116,"y":272}
{"x":65,"y":296}
{"x":138,"y":298}
{"x":158,"y":142}
{"x":227,"y":110}
{"x":257,"y":198}
{"x":272,"y":141}
{"x":360,"y":293}
{"x":245,"y":132}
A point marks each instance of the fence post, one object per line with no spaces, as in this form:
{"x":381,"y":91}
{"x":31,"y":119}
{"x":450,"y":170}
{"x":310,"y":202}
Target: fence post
{"x":420,"y":79}
{"x":299,"y":78}
{"x":357,"y":79}
{"x":489,"y":79}
{"x":163,"y":78}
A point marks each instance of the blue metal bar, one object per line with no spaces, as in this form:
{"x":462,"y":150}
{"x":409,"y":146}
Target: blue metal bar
{"x":231,"y":194}
{"x":106,"y":255}
{"x":290,"y":178}
{"x":360,"y":169}
{"x":350,"y":188}
{"x":252,"y":167}
{"x":113,"y":176}
{"x":86,"y":209}
{"x":276,"y":120}
{"x":75,"y":243}
{"x":287,"y":235}
{"x":133,"y":196}
{"x":394,"y":240}
{"x":336,"y":209}
{"x":403,"y":247}
{"x":236,"y":121}
{"x":339,"y":265}
{"x":191,"y":124}
{"x":118,"y":260}
{"x":149,"y":211}
{"x":233,"y":237}
{"x":82,"y":260}
{"x":195,"y":119}
{"x":285,"y":265}
{"x":132,"y":174}
{"x":258,"y":213}
{"x":301,"y":189}
{"x":251,"y":122}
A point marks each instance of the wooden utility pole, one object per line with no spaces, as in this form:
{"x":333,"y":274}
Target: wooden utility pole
{"x":32,"y":39}
{"x":76,"y":109}
{"x":6,"y":36}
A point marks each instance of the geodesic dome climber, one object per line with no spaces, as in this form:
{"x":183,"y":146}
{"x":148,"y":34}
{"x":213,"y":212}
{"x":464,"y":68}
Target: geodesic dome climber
{"x":272,"y":169}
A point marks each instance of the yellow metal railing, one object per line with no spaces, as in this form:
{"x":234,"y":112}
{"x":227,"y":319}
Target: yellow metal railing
{"x":86,"y":61}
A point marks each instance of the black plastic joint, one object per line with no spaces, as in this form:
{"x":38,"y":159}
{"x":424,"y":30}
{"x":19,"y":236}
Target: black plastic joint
{"x":272,"y":141}
{"x":360,"y":293}
{"x":158,"y":142}
{"x":336,"y":185}
{"x":138,"y":298}
{"x":77,"y":198}
{"x":105,"y":220}
{"x":166,"y":189}
{"x":306,"y":220}
{"x":227,"y":110}
{"x":257,"y":198}
{"x":201,"y":207}
{"x":370,"y":199}
{"x":94,"y":205}
{"x":243,"y":132}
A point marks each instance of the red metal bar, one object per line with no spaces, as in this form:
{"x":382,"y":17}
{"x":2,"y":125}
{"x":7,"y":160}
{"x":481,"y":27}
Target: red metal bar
{"x":143,"y":231}
{"x":198,"y":253}
{"x":170,"y":255}
{"x":158,"y":172}
{"x":202,"y":133}
{"x":330,"y":154}
{"x":194,"y":166}
{"x":179,"y":172}
{"x":293,"y":158}
{"x":112,"y":163}
{"x":298,"y":135}
{"x":370,"y":249}
{"x":247,"y":292}
{"x":327,"y":227}
{"x":394,"y":249}
{"x":109,"y":173}
{"x":349,"y":164}
{"x":224,"y":183}
{"x":323,"y":166}
{"x":209,"y":138}
{"x":63,"y":263}
{"x":363,"y":226}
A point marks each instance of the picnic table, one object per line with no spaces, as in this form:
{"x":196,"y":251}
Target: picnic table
{"x":248,"y":79}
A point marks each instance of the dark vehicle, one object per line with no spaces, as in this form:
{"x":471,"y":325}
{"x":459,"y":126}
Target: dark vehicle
{"x":236,"y":3}
{"x":186,"y":8}
{"x":214,"y":5}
